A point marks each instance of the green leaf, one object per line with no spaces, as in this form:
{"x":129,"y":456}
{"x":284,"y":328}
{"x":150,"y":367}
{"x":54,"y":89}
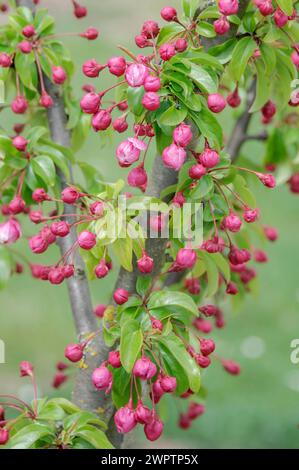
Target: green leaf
{"x":176,"y":348}
{"x":131,"y":341}
{"x":143,"y":284}
{"x":212,"y":273}
{"x":172,"y":116}
{"x":5,"y":266}
{"x":268,"y":57}
{"x":26,"y":68}
{"x":66,"y":405}
{"x":168,"y":32}
{"x":51,"y":411}
{"x":245,"y":194}
{"x":224,"y":51}
{"x":286,"y":6}
{"x":123,"y":248}
{"x":222,"y":264}
{"x":203,"y":187}
{"x":173,"y":368}
{"x":135,"y":96}
{"x":263,"y":88}
{"x":276,"y":149}
{"x":172,"y":301}
{"x":203,"y":79}
{"x":44,"y":167}
{"x":95,"y":437}
{"x":28,"y":435}
{"x":208,"y":126}
{"x":206,"y":29}
{"x":34,"y":134}
{"x":240,"y":57}
{"x":57,"y":156}
{"x":77,"y":420}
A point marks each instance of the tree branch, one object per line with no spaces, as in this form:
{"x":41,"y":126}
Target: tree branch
{"x":85,"y":395}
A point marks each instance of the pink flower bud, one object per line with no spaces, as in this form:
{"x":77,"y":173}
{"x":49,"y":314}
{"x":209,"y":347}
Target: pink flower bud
{"x":87,"y":240}
{"x":17,"y":205}
{"x":143,"y":414}
{"x":136,"y":74}
{"x":250,"y":215}
{"x":101,"y":120}
{"x":145,"y":264}
{"x":90,"y":34}
{"x":20,"y":143}
{"x":91,"y":68}
{"x":209,"y":310}
{"x":221,"y":26}
{"x":26,"y":369}
{"x":152,"y":83}
{"x":46,"y":100}
{"x":68,"y":270}
{"x":90,"y":103}
{"x":269,"y":109}
{"x":202,"y":325}
{"x":125,"y":419}
{"x":295,"y":58}
{"x":233,"y":99}
{"x":36,"y":217}
{"x":5,"y":60}
{"x":168,"y":13}
{"x":101,"y":270}
{"x":19,"y":105}
{"x":150,"y":29}
{"x":237,"y":256}
{"x":232,"y":288}
{"x":144,"y":368}
{"x":184,"y":421}
{"x":154,"y":428}
{"x":232,"y":222}
{"x":271,"y":233}
{"x":156,"y":324}
{"x":216,"y":103}
{"x":4,"y":436}
{"x":79,"y":10}
{"x":121,"y":296}
{"x":260,"y":256}
{"x":74,"y":352}
{"x":167,"y":51}
{"x":40,"y":195}
{"x":58,"y":75}
{"x":117,"y":65}
{"x":182,"y":135}
{"x":267,"y":179}
{"x":142,"y":41}
{"x":102,"y":378}
{"x":193,"y":285}
{"x":128,"y":152}
{"x":150,"y":101}
{"x":158,"y":391}
{"x":280,"y":18}
{"x":59,"y":379}
{"x":174,"y":157}
{"x":197,"y":171}
{"x":25,"y":47}
{"x":181,"y":45}
{"x":2,"y":413}
{"x":209,"y":158}
{"x":28,"y":31}
{"x":10,"y":232}
{"x":195,"y":410}
{"x":60,"y":229}
{"x":265,"y":7}
{"x":99,"y":310}
{"x":120,"y":125}
{"x":168,"y":384}
{"x":97,"y":208}
{"x":38,"y":244}
{"x":114,"y":359}
{"x":228,"y":7}
{"x":137,"y":177}
{"x":179,"y":199}
{"x":207,"y":346}
{"x":231,"y":367}
{"x":70,"y":195}
{"x":202,"y":361}
{"x":185,"y":258}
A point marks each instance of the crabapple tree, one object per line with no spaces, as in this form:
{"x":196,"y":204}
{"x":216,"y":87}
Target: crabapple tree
{"x":168,"y":93}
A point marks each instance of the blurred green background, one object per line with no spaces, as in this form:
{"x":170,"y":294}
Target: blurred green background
{"x":260,"y":408}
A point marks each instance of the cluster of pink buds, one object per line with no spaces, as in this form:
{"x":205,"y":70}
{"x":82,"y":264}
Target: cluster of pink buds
{"x":226,"y":8}
{"x":193,"y":412}
{"x":174,"y":156}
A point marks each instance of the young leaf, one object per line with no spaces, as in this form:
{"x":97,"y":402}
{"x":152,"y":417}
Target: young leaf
{"x":44,"y":167}
{"x":240,"y":57}
{"x":131,"y":341}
